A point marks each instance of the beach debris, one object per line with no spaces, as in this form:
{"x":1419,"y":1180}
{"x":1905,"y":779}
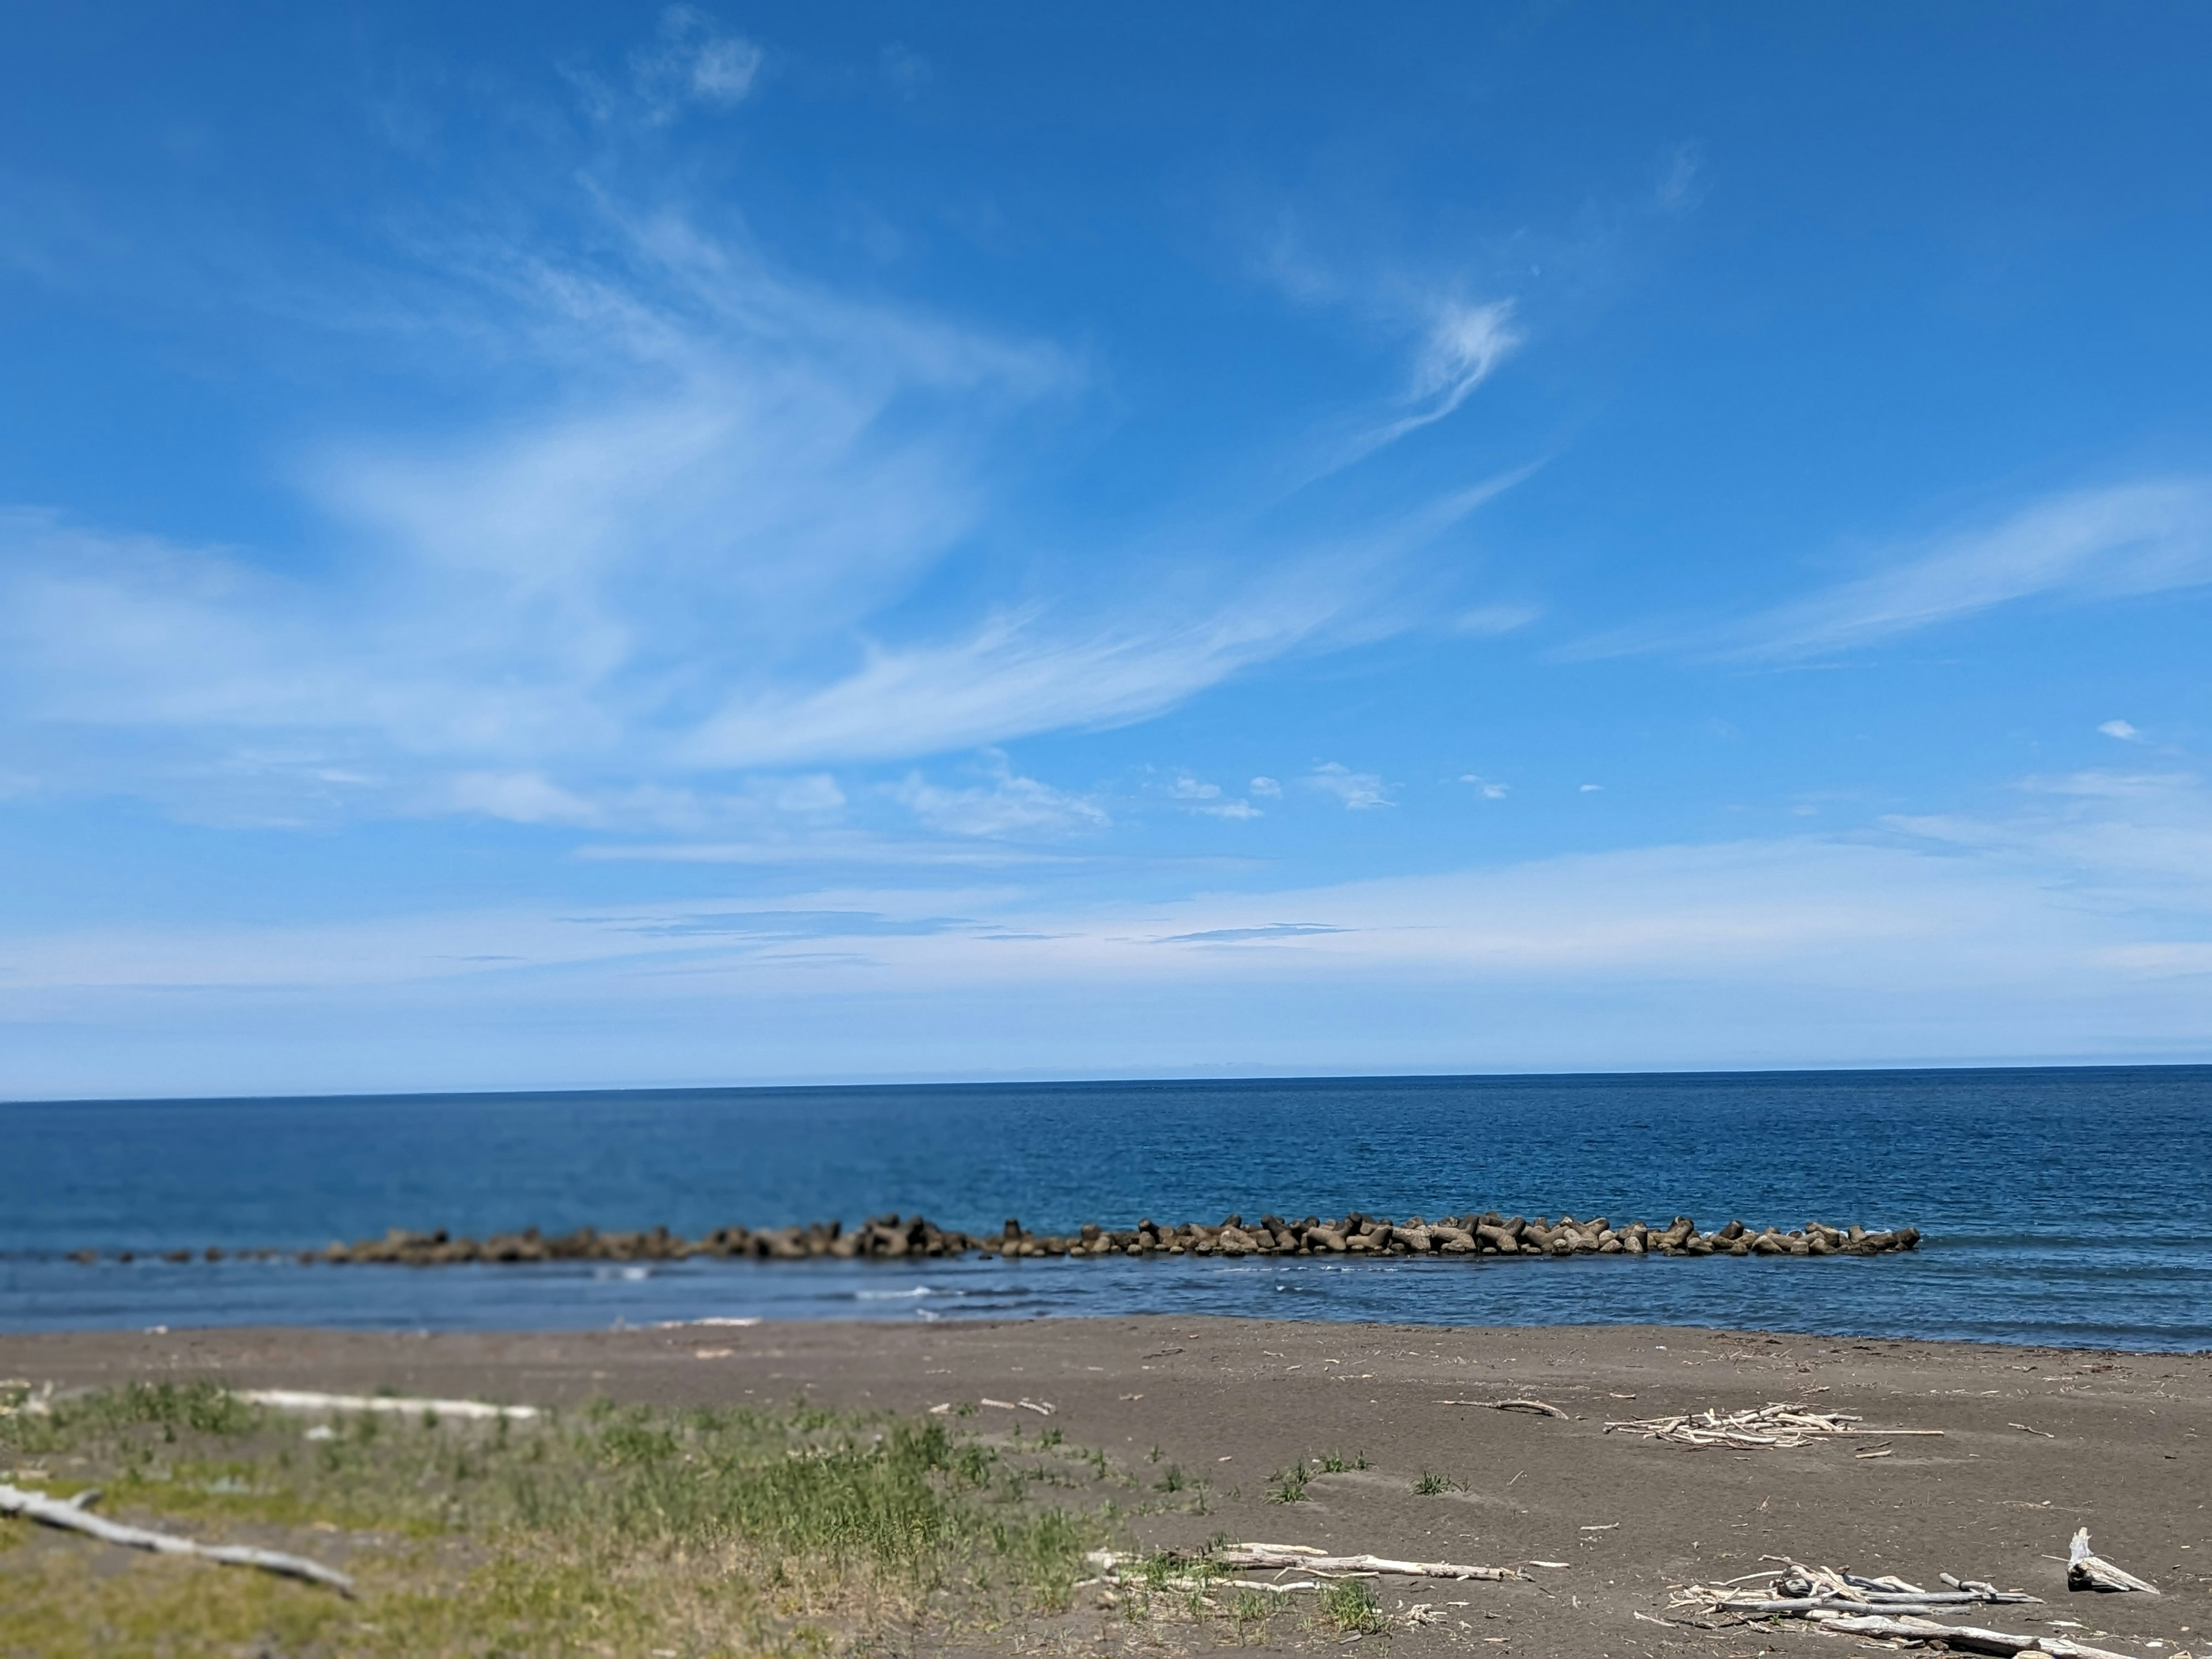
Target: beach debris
{"x":711,"y":1319}
{"x":74,"y":1514}
{"x":1965,"y":1638}
{"x":2088,"y":1571}
{"x":1537,"y":1406}
{"x":1296,"y":1558}
{"x":1757,"y":1429}
{"x":1303,"y":1558}
{"x":1470,"y":1237}
{"x":308,"y":1400}
{"x":1887,"y":1608}
{"x":16,"y":1398}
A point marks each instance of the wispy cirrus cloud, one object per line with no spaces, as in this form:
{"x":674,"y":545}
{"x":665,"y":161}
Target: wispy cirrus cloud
{"x":2145,"y":537}
{"x":1460,"y":346}
{"x":2132,"y":538}
{"x":701,"y":543}
{"x":693,"y":59}
{"x":690,"y":62}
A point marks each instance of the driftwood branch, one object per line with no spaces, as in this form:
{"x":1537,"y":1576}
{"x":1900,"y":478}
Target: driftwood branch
{"x":306,"y":1399}
{"x":1966,"y":1638}
{"x":1536,"y":1406}
{"x":2085,"y":1571}
{"x":74,"y":1515}
{"x":1305,"y":1559}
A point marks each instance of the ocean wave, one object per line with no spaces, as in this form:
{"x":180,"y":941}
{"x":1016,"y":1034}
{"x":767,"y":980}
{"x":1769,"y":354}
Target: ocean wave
{"x":907,"y":1295}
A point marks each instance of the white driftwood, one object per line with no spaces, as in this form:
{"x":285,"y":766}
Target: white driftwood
{"x":2092,"y":1572}
{"x":1822,"y":1593}
{"x":74,"y":1515}
{"x":1968,"y":1637}
{"x":1306,"y":1559}
{"x":305,"y":1399}
{"x":1860,"y":1604}
{"x":1777,"y":1424}
{"x":1536,"y":1406}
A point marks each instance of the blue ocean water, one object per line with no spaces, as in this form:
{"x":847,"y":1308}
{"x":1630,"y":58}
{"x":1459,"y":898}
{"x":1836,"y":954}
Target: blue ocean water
{"x":2070,"y":1205}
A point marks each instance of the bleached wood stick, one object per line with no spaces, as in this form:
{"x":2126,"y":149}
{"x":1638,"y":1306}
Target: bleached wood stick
{"x":1508,"y":1405}
{"x":1969,"y":1637}
{"x":72,"y":1515}
{"x":2087,"y":1571}
{"x":306,"y":1400}
{"x":1306,"y":1560}
{"x":2065,"y":1647}
{"x":1909,"y":1629}
{"x":1865,"y":1603}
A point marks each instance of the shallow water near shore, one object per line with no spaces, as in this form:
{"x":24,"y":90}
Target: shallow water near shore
{"x":2068,"y":1206}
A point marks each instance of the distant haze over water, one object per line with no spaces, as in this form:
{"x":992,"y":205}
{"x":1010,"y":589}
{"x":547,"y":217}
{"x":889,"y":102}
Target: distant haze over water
{"x":2070,"y":1205}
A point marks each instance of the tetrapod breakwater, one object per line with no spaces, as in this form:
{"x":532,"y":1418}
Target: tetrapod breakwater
{"x":1488,"y":1235}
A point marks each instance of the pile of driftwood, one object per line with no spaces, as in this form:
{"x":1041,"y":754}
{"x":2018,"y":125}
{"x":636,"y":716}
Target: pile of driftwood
{"x":1466,"y":1237}
{"x":1890,"y":1609}
{"x":1756,"y":1429}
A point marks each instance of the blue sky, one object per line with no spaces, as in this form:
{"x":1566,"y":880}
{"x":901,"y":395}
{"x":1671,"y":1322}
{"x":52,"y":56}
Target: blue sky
{"x":580,"y":545}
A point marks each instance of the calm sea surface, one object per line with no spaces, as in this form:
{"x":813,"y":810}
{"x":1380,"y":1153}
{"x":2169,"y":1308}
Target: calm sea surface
{"x":2061,"y":1206}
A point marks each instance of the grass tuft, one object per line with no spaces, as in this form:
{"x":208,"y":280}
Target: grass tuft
{"x":1349,"y":1605}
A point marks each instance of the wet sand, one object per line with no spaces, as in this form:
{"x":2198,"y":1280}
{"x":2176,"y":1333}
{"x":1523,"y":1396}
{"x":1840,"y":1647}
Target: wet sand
{"x":2035,"y":1443}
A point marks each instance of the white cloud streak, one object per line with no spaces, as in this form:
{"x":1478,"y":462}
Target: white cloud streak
{"x":2134,"y":538}
{"x":1462,"y":344}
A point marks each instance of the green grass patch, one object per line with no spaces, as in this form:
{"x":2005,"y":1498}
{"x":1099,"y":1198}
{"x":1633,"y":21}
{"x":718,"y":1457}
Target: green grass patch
{"x":613,"y":1529}
{"x":1348,"y":1605}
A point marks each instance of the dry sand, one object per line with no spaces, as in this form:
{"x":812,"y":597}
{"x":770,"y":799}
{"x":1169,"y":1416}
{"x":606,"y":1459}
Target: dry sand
{"x":2036,"y":1441}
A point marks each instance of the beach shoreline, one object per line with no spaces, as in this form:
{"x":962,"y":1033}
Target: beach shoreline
{"x":2034,"y":1440}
